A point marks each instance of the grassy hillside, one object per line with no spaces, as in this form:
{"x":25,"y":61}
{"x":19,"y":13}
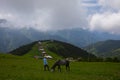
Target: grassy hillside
{"x":26,"y":68}
{"x":65,"y":49}
{"x":115,"y":53}
{"x":53,"y":48}
{"x":23,"y":49}
{"x":109,"y":48}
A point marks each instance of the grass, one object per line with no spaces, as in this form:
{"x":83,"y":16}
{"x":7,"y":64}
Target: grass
{"x":34,"y":51}
{"x":26,"y":68}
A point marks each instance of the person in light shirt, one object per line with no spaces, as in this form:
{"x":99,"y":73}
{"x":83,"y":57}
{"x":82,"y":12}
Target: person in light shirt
{"x":46,"y":67}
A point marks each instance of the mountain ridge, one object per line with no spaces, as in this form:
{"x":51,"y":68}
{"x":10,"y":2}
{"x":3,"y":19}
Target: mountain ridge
{"x":108,"y":48}
{"x":53,"y":47}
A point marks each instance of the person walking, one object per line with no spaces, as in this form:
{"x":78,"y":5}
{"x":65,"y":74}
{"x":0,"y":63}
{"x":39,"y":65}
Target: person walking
{"x":45,"y":64}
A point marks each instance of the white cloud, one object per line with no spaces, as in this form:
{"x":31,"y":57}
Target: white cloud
{"x":108,"y":18}
{"x":108,"y":22}
{"x":44,"y":14}
{"x":47,"y":15}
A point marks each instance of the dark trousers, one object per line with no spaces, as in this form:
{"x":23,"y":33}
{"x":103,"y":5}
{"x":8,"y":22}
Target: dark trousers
{"x":46,"y":67}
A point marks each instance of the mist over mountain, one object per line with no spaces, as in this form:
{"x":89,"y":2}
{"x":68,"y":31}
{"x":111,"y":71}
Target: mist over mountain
{"x":13,"y":38}
{"x":82,"y":37}
{"x":10,"y":39}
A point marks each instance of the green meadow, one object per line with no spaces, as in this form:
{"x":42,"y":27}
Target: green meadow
{"x":26,"y":68}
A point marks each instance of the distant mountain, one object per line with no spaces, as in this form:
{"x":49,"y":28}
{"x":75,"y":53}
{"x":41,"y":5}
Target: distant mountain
{"x":109,"y":48}
{"x":13,"y":38}
{"x":53,"y":48}
{"x":82,"y":38}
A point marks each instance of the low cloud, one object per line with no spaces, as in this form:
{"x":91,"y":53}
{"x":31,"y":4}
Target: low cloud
{"x":43,"y":15}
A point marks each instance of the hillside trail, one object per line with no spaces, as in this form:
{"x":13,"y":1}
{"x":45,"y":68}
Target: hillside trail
{"x":42,"y":50}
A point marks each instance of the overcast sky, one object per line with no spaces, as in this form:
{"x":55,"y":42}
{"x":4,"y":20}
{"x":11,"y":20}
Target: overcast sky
{"x":45,"y":15}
